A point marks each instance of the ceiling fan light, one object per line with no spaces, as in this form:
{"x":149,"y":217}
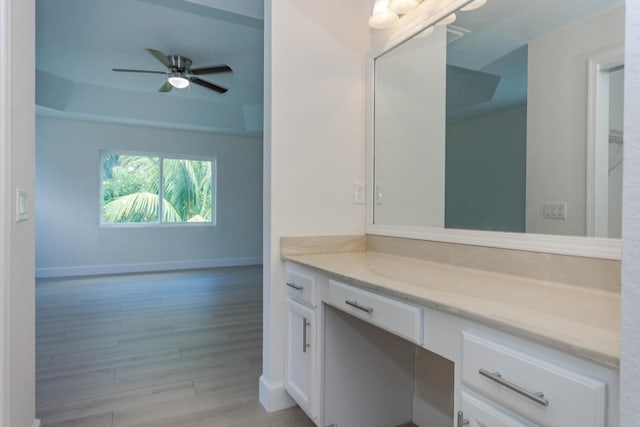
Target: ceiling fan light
{"x":382,"y":17}
{"x":475,"y":4}
{"x":178,"y":81}
{"x":448,"y":20}
{"x":401,"y":7}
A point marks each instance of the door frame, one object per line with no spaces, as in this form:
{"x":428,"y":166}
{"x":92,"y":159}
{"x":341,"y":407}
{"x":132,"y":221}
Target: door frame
{"x":597,"y":157}
{"x":5,"y":203}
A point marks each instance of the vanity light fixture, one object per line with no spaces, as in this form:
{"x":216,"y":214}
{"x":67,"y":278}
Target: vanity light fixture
{"x":401,"y":7}
{"x":448,"y":20}
{"x":178,"y":80}
{"x":475,"y":4}
{"x":382,"y":17}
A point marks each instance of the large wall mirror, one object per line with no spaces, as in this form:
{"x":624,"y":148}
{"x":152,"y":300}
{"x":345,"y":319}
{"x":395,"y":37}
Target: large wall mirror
{"x":507,"y":120}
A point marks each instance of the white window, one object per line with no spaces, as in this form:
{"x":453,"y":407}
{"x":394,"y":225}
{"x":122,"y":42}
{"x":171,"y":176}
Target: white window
{"x":148,"y":188}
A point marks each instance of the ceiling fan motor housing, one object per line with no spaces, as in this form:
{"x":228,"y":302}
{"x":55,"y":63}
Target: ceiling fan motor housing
{"x":179,"y":63}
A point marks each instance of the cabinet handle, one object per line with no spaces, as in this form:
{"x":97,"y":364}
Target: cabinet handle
{"x":359,"y":307}
{"x":461,"y":420}
{"x":305,"y":324}
{"x":537,"y":397}
{"x":294,"y":286}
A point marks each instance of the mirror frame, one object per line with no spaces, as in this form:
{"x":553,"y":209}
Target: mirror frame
{"x":426,"y":15}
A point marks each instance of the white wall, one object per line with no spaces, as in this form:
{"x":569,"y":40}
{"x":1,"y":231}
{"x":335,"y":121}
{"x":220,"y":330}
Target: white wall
{"x":314,"y":144}
{"x":616,"y":122}
{"x":410,"y":132}
{"x":68,"y":237}
{"x":630,"y":332}
{"x":557,"y":119}
{"x":17,"y":313}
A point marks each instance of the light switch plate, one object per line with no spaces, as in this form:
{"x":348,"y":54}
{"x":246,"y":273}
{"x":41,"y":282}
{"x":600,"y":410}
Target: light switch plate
{"x":358,"y":193}
{"x":378,"y":194}
{"x":22,"y":205}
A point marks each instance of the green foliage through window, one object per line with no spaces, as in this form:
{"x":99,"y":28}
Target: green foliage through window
{"x":131,"y":191}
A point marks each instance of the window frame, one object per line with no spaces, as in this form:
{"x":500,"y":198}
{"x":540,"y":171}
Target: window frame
{"x":161,"y":157}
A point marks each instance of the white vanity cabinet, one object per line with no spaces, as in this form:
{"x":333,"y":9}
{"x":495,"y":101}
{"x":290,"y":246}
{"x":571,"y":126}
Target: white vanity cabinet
{"x":539,"y":390}
{"x":477,"y":412}
{"x":351,"y":347}
{"x":397,"y":317}
{"x":300,"y":360}
{"x":301,"y":343}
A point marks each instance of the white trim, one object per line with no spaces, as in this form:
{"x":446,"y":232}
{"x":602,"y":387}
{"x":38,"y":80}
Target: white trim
{"x":597,"y":90}
{"x":563,"y":245}
{"x":409,"y":25}
{"x":161,"y":156}
{"x":5,"y":210}
{"x":42,"y":111}
{"x":370,"y":187}
{"x":274,"y":397}
{"x":36,"y":423}
{"x":98,"y":270}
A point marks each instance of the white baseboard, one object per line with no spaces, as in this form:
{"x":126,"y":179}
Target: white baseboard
{"x":274,"y":397}
{"x":36,"y":423}
{"x":98,"y":270}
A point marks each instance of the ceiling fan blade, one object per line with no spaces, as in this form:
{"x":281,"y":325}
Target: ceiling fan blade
{"x":211,"y":70}
{"x":160,"y":57}
{"x":166,"y":87}
{"x":126,"y":70}
{"x":208,"y":85}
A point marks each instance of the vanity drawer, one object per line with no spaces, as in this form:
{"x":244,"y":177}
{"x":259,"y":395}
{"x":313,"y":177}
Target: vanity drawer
{"x":397,"y":317}
{"x":539,"y":390}
{"x":301,"y":287}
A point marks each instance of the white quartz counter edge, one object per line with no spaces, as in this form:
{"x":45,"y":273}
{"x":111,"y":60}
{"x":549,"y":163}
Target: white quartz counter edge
{"x":577,"y":320}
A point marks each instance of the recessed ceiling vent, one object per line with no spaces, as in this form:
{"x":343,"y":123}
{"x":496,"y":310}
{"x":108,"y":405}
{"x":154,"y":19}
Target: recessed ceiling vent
{"x":455,"y":33}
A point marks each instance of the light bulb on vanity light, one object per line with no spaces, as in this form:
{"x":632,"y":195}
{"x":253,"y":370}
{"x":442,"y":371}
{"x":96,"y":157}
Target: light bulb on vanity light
{"x":382,"y":17}
{"x":475,"y":4}
{"x":401,"y":7}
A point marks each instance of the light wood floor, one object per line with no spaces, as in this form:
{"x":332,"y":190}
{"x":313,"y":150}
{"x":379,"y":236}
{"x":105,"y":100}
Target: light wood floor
{"x":173,"y":349}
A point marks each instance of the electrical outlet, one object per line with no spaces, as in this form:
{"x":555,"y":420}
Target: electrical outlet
{"x":554,"y":210}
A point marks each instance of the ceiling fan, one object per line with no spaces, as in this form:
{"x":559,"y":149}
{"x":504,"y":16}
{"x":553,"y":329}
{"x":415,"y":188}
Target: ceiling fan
{"x":179,"y":72}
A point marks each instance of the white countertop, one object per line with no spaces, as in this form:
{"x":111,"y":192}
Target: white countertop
{"x":578,"y":320}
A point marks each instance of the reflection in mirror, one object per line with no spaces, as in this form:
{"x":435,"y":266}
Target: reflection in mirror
{"x":511,"y":152}
{"x":410,"y":132}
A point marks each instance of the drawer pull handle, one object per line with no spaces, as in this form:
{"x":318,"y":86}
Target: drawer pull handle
{"x":294,"y":286}
{"x":462,"y":421}
{"x":537,"y":397}
{"x":359,"y":307}
{"x":305,"y":324}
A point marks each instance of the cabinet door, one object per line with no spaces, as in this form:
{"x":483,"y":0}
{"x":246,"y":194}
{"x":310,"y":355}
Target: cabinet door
{"x":480,"y":413}
{"x":300,"y":361}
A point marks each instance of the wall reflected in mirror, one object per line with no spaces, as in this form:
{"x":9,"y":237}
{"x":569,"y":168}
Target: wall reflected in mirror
{"x":483,"y":123}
